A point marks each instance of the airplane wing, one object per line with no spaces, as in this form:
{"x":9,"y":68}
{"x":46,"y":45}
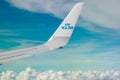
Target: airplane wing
{"x":58,"y":40}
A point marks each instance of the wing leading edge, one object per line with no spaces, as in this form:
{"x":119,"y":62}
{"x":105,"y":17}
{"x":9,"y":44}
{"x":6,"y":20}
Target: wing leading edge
{"x":59,"y":39}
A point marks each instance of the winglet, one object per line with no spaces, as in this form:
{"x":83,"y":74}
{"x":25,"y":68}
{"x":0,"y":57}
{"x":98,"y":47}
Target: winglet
{"x":64,"y":31}
{"x":58,"y":39}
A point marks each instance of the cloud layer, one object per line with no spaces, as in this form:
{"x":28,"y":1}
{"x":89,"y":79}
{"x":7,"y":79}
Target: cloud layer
{"x":31,"y":74}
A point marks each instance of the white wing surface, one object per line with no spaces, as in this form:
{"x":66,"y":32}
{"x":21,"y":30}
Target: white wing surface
{"x":58,"y":40}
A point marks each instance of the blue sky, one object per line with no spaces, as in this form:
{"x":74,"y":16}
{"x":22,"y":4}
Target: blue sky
{"x":94,"y":45}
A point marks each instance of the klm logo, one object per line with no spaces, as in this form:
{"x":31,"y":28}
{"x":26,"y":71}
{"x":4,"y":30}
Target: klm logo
{"x":67,"y":26}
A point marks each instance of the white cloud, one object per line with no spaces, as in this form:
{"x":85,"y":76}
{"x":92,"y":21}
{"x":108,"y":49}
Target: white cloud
{"x":104,"y":13}
{"x":8,"y":75}
{"x":56,"y":7}
{"x":21,"y":43}
{"x":28,"y":74}
{"x":82,"y":48}
{"x":31,"y":74}
{"x":24,"y":43}
{"x":5,"y":32}
{"x":101,"y":12}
